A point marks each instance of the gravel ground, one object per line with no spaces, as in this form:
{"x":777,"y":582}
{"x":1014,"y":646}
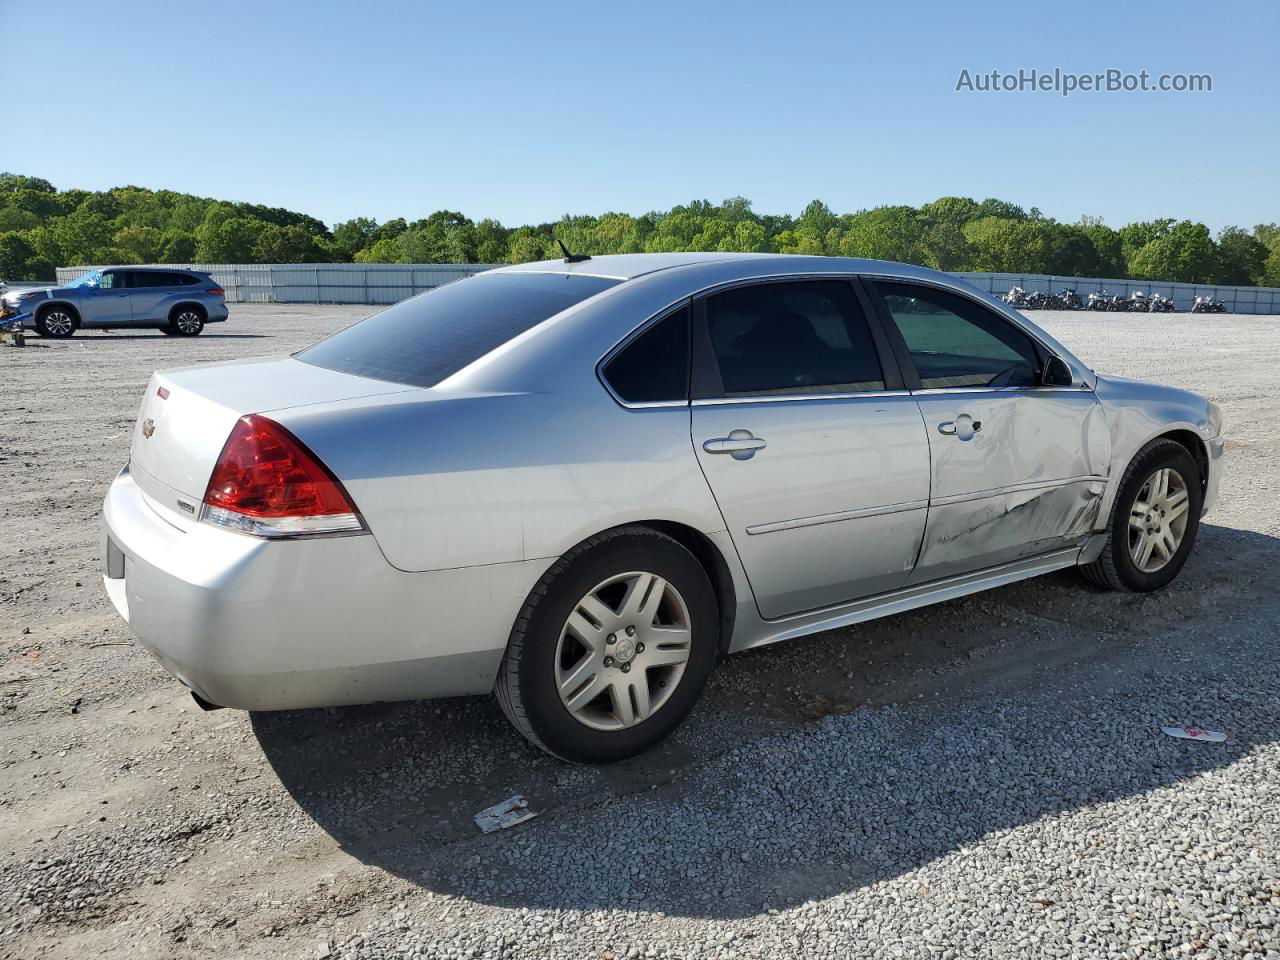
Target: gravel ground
{"x":985,"y":778}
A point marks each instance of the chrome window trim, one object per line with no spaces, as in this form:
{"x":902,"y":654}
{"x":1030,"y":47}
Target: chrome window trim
{"x":777,"y":525}
{"x":943,"y":391}
{"x":792,"y":397}
{"x":848,"y":275}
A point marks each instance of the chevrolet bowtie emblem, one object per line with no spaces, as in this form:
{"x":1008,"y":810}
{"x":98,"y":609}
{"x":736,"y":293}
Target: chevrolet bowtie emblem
{"x":148,"y":427}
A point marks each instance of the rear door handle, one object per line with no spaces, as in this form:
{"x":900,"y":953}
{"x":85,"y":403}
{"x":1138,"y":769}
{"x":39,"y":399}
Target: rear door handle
{"x":739,"y":444}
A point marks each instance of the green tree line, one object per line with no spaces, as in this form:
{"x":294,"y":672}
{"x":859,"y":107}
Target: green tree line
{"x":42,"y":227}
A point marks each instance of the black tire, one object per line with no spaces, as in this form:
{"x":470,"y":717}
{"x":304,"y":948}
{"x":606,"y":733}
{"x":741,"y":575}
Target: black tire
{"x":1115,"y":568}
{"x":526,"y":684}
{"x":186,"y":320}
{"x":57,"y":322}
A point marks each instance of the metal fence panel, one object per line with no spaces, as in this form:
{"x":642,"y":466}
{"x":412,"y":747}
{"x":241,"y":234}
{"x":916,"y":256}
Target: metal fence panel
{"x":385,"y":283}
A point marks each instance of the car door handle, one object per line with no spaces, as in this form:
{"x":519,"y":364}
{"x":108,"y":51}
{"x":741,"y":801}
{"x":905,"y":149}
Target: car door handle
{"x":739,"y":444}
{"x":962,"y":427}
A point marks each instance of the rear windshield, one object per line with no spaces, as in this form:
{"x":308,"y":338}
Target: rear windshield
{"x":427,"y":338}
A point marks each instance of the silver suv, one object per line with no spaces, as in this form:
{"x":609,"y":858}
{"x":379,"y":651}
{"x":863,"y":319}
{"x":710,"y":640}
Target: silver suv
{"x":179,"y":302}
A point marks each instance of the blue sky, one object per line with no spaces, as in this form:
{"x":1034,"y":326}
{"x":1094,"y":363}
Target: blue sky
{"x":524,"y":112}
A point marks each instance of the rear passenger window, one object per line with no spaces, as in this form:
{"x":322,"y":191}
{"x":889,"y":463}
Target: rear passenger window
{"x":154,"y":279}
{"x":955,"y":342}
{"x":795,"y":337}
{"x":654,"y":367}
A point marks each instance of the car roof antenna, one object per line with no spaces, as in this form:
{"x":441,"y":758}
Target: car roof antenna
{"x":571,"y":257}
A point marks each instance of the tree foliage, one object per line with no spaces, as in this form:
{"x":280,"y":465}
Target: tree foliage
{"x":41,"y":227}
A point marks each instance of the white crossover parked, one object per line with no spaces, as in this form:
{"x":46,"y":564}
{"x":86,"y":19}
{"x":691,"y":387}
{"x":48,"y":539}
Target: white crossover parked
{"x":577,"y":483}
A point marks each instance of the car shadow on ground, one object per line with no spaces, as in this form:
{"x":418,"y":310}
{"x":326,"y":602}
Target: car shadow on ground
{"x":821,"y":765}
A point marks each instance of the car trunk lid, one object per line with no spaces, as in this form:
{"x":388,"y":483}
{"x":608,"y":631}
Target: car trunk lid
{"x":187,"y":415}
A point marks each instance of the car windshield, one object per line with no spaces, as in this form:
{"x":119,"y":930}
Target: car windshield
{"x":423,"y":340}
{"x":91,"y":279}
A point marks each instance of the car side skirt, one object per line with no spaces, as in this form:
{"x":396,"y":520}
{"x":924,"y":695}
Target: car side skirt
{"x":755,"y":632}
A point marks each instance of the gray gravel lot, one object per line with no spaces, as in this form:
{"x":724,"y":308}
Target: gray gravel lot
{"x":985,"y":778}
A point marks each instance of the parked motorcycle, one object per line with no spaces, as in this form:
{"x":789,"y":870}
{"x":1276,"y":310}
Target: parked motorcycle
{"x":1097,"y":301}
{"x":1160,"y":304}
{"x":1208,"y":304}
{"x":1016,"y":298}
{"x":1069,"y":300}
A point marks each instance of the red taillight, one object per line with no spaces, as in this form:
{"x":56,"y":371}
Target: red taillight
{"x":216,"y":290}
{"x":266,"y":482}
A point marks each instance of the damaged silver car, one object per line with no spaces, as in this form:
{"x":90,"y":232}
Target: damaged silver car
{"x":577,"y":483}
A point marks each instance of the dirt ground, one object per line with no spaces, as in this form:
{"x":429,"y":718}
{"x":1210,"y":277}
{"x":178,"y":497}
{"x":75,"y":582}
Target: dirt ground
{"x":134,"y":824}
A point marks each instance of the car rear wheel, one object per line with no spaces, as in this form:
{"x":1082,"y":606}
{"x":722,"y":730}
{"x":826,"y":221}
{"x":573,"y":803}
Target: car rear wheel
{"x":1154,"y":521}
{"x":612,"y":648}
{"x":56,"y":322}
{"x":185,"y":322}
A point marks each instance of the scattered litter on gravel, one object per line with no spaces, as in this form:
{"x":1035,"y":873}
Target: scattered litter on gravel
{"x":985,"y":778}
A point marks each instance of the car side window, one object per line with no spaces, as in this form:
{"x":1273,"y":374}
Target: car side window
{"x":793,"y":337}
{"x":112,"y":281}
{"x":654,"y":367}
{"x":146,"y":278}
{"x":955,"y":342}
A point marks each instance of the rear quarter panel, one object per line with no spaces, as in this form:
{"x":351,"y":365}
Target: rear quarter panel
{"x":460,"y":481}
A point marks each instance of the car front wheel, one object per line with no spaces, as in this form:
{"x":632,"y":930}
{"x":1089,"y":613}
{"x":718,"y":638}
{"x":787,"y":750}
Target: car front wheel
{"x":612,"y":649}
{"x":56,"y":322}
{"x":1154,"y":521}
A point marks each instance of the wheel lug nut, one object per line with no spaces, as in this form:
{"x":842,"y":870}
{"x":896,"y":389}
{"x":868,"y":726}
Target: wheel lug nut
{"x":608,"y":661}
{"x":639,"y":648}
{"x":626,"y":668}
{"x":631,"y":631}
{"x":612,"y":638}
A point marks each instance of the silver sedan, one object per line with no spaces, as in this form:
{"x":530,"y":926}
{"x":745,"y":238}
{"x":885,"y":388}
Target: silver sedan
{"x":578,"y":483}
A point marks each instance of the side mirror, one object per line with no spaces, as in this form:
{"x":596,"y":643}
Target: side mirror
{"x":1056,"y":373}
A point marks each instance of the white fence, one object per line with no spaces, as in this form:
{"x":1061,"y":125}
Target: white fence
{"x":380,"y":283}
{"x":372,"y":283}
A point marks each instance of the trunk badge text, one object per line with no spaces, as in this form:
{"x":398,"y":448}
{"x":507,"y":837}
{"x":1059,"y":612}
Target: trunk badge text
{"x":148,"y":427}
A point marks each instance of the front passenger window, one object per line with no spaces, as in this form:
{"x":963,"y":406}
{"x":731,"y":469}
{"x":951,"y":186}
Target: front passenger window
{"x":955,"y":342}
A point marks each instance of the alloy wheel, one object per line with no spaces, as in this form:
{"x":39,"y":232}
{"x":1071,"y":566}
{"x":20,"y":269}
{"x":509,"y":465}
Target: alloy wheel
{"x":188,"y":321}
{"x":59,"y":323}
{"x":1158,"y":519}
{"x":623,"y":651}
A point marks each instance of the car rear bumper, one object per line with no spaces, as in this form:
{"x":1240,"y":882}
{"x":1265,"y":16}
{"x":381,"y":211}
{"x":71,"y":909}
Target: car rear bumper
{"x":271,"y":625}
